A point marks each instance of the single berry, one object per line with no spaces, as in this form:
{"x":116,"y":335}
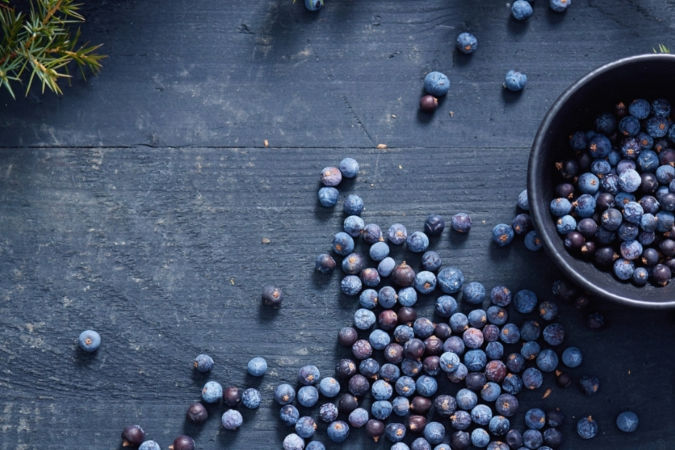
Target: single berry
{"x":324,"y":263}
{"x":89,"y":341}
{"x":521,"y":10}
{"x":502,"y":234}
{"x":515,"y":81}
{"x":349,"y":167}
{"x":461,"y":223}
{"x":353,"y":205}
{"x":232,"y":419}
{"x":328,"y":196}
{"x":197,"y":413}
{"x":149,"y":445}
{"x":251,"y":398}
{"x":587,"y":428}
{"x":434,"y":225}
{"x":183,"y":442}
{"x":313,"y":5}
{"x":436,"y":84}
{"x":133,"y":436}
{"x":466,"y":43}
{"x":257,"y":366}
{"x":428,"y":103}
{"x":627,"y":421}
{"x":212,"y":392}
{"x":272,"y":296}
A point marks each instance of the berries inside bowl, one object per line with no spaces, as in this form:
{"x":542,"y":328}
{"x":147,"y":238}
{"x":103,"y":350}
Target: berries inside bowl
{"x":600,"y":181}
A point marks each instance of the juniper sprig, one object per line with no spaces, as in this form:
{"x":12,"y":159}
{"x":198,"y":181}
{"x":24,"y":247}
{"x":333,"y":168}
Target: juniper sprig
{"x":37,"y":42}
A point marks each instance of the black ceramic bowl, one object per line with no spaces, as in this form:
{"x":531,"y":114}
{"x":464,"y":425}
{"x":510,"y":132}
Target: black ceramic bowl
{"x":645,"y":76}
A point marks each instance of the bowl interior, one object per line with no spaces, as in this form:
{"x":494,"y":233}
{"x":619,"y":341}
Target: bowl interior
{"x":644,"y":76}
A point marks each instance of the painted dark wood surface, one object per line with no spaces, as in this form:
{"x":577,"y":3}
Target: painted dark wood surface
{"x":137,"y":204}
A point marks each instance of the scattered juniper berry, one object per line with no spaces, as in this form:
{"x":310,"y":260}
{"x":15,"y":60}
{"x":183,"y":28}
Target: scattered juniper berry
{"x":203,"y":363}
{"x":521,"y":10}
{"x":305,"y":427}
{"x":349,"y":167}
{"x":351,"y":285}
{"x":371,"y":233}
{"x":497,"y":315}
{"x":587,"y":428}
{"x":450,"y":280}
{"x":434,"y":225}
{"x":431,"y":261}
{"x":212,"y":392}
{"x":473,"y":293}
{"x":353,"y":264}
{"x":460,"y":420}
{"x":589,"y":384}
{"x":284,"y":394}
{"x":532,"y":378}
{"x":480,"y":438}
{"x":434,"y":432}
{"x":331,"y":176}
{"x":436,"y":84}
{"x":428,"y":103}
{"x":466,"y":43}
{"x":307,"y":396}
{"x":232,"y":396}
{"x":310,"y":5}
{"x":353,"y":225}
{"x":502,"y":234}
{"x":338,"y":431}
{"x":478,"y":319}
{"x":466,"y":399}
{"x":386,"y":267}
{"x":289,"y":414}
{"x":461,"y":223}
{"x":627,"y":421}
{"x":353,"y":205}
{"x":315,"y":445}
{"x":378,"y":251}
{"x":554,"y":334}
{"x":149,"y":445}
{"x":293,"y":441}
{"x":183,"y":442}
{"x":417,"y":242}
{"x":232,"y":419}
{"x":133,"y":435}
{"x":251,"y":398}
{"x":572,"y":357}
{"x":521,"y":224}
{"x":324,"y":263}
{"x":515,"y":81}
{"x":488,"y":393}
{"x":197,"y":413}
{"x":257,"y":366}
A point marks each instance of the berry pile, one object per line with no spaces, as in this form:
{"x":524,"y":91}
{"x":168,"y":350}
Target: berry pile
{"x":616,"y":193}
{"x":408,"y":378}
{"x":404,"y":367}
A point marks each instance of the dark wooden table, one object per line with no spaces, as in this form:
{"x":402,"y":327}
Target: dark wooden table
{"x":137,"y":203}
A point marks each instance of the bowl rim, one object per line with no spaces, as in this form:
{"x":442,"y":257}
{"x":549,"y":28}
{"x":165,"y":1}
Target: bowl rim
{"x":539,"y":215}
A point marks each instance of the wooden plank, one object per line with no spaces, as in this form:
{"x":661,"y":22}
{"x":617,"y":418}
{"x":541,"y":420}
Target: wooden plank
{"x":161,"y":251}
{"x":234,"y":75}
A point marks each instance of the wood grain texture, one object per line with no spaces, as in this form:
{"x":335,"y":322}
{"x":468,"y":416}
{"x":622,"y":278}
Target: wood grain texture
{"x":138,"y":202}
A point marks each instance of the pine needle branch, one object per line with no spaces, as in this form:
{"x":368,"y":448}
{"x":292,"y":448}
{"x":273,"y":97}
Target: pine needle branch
{"x":661,"y":48}
{"x":39,"y":44}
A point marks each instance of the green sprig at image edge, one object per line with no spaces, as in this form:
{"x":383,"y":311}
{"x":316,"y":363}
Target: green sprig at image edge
{"x":38,"y":42}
